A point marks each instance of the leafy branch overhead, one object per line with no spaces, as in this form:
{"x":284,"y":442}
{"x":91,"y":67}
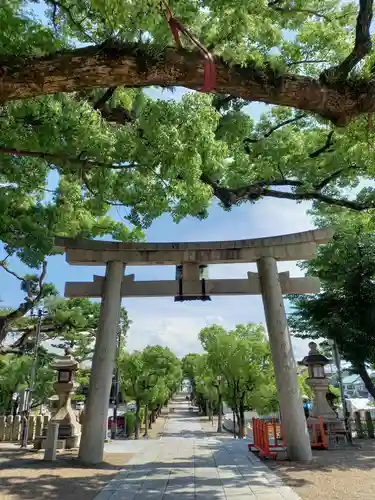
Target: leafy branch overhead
{"x":114,"y":62}
{"x":79,"y":134}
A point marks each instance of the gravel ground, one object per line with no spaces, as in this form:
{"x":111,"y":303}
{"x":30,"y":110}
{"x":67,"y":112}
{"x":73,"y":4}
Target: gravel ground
{"x":25,"y":476}
{"x":346,"y":473}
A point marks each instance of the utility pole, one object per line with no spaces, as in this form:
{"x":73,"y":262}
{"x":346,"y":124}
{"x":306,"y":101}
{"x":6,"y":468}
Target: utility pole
{"x":29,"y":390}
{"x":336,"y":356}
{"x":116,"y":387}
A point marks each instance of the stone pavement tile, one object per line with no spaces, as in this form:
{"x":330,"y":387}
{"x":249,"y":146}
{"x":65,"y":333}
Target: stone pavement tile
{"x":124,"y":486}
{"x":262,"y":489}
{"x":180,"y":490}
{"x":155,"y":485}
{"x":149,"y":495}
{"x":269,"y":496}
{"x":122,"y":495}
{"x":237,"y":490}
{"x":105,"y":495}
{"x":180,"y":487}
{"x":180,"y":496}
{"x":287,"y":493}
{"x":213,"y":495}
{"x":181,"y":479}
{"x":228,"y":474}
{"x":245,"y":496}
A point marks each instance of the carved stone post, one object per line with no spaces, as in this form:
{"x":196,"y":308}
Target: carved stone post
{"x":290,"y":400}
{"x":96,"y":410}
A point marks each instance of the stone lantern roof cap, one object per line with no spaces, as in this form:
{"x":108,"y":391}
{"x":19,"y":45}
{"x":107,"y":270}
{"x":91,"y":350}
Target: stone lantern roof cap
{"x":67,"y":362}
{"x":314,"y":357}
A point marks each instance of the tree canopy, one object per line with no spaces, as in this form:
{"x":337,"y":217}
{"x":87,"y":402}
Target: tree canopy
{"x":79,"y":134}
{"x":66,"y":323}
{"x":149,"y":377}
{"x":345,"y":309}
{"x":15,"y":375}
{"x":241,"y":360}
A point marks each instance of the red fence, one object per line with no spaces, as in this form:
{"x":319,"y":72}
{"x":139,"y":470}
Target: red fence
{"x":262,"y":432}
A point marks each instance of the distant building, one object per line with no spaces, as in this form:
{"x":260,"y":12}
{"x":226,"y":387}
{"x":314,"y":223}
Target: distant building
{"x":354,"y":387}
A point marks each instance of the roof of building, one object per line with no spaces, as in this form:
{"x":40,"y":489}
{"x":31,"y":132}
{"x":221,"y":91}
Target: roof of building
{"x":351,"y":379}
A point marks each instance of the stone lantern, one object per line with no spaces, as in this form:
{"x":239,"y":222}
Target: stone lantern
{"x":69,"y":428}
{"x":315,"y":362}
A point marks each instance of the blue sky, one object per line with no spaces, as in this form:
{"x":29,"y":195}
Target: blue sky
{"x":161,"y":320}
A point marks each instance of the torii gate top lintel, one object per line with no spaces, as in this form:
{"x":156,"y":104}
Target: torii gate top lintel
{"x":296,"y":246}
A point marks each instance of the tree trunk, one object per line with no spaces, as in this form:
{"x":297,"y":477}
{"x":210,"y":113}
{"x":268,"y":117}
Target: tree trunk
{"x":3,"y":328}
{"x":220,"y":414}
{"x":206,"y":410}
{"x":242,"y":422}
{"x":133,"y":65}
{"x":362,"y":372}
{"x":137,"y":418}
{"x":237,"y":417}
{"x":153,"y":415}
{"x":211,"y":412}
{"x":146,"y":421}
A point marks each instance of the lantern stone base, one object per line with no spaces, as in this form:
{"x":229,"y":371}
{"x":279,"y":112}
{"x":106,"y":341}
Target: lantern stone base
{"x":62,"y":444}
{"x":335,"y":427}
{"x":41,"y":441}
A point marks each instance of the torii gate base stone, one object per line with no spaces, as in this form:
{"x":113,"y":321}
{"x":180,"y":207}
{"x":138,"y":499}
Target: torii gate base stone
{"x":264,"y":251}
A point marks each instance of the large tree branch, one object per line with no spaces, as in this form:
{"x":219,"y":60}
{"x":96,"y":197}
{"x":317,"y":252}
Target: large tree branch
{"x":257,"y":190}
{"x":24,"y":307}
{"x":335,"y":175}
{"x":274,"y":128}
{"x":60,"y":158}
{"x":104,"y":98}
{"x":362,"y":45}
{"x":141,"y":65}
{"x":325,"y":148}
{"x":277,"y":5}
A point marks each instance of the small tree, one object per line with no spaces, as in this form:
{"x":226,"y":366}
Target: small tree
{"x":242,"y":357}
{"x":15,"y":374}
{"x":140,"y":374}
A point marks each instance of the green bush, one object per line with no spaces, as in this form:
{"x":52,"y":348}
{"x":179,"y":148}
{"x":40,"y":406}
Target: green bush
{"x":130,"y":423}
{"x":142,"y":416}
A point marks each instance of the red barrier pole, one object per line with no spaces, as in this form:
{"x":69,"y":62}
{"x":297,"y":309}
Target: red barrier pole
{"x":274,"y":431}
{"x":324,"y":442}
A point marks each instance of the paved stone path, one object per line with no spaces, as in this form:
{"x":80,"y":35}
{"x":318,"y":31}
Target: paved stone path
{"x":186,"y":464}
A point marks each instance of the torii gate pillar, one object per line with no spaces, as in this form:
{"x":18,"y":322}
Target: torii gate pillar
{"x":96,"y":410}
{"x":291,"y":409}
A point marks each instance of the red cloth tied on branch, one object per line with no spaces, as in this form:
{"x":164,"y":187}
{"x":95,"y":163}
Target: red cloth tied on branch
{"x":177,"y":27}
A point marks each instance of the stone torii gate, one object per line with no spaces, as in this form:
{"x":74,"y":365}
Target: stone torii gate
{"x":267,"y":282}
